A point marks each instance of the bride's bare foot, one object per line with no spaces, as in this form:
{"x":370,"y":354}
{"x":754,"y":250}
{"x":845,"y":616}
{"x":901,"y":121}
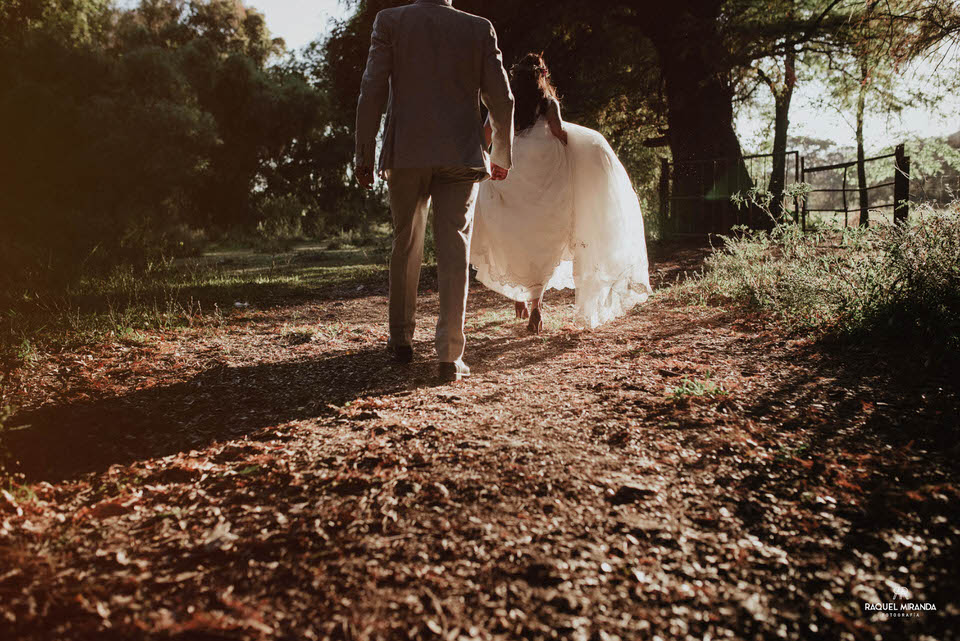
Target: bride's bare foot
{"x":536,"y":321}
{"x":521,"y":309}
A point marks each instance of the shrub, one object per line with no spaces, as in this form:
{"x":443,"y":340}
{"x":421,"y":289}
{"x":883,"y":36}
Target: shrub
{"x":918,"y":281}
{"x":375,"y":237}
{"x":281,"y":223}
{"x":879,"y":282}
{"x":182,"y":241}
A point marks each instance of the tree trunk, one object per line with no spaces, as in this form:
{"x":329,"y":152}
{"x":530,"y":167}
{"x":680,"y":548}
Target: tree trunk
{"x":708,"y":162}
{"x":781,"y":97}
{"x":861,"y":165}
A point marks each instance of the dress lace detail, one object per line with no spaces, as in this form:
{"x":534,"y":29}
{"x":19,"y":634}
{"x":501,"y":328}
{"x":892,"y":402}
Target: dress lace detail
{"x":566,"y":217}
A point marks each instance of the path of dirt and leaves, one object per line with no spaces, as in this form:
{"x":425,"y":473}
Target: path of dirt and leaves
{"x":683,"y":473}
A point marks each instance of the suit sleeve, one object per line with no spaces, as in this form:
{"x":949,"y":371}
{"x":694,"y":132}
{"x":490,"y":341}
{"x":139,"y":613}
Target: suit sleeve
{"x":374,"y":91}
{"x":496,"y":96}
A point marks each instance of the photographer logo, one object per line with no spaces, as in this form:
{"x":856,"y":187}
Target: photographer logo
{"x":902,"y":606}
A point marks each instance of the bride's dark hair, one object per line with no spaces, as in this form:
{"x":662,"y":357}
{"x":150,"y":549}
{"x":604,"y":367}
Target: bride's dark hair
{"x":532,"y":90}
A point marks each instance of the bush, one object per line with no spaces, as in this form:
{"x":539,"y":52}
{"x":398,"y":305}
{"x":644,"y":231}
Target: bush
{"x":182,"y":241}
{"x":281,"y":223}
{"x":879,"y":282}
{"x":376,"y":237}
{"x":918,"y":280}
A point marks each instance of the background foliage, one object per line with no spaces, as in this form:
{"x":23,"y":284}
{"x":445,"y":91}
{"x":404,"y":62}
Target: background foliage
{"x":137,"y":135}
{"x":134,"y":134}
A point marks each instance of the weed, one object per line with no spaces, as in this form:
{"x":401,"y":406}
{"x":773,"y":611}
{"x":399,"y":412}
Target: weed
{"x":297,"y":334}
{"x":26,"y":353}
{"x":693,"y":388}
{"x":786,"y":453}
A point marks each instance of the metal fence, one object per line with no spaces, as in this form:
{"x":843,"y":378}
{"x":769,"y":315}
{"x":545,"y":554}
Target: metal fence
{"x":841,"y":206}
{"x":713,"y":182}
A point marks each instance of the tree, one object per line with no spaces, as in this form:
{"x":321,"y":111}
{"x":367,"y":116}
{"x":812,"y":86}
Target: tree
{"x":678,"y":64}
{"x":135,"y":125}
{"x":866,"y":70}
{"x":776,"y":64}
{"x":75,"y":22}
{"x":781,"y":85}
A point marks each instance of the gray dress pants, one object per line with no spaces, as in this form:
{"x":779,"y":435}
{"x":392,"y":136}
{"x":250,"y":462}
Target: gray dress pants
{"x":453,"y":191}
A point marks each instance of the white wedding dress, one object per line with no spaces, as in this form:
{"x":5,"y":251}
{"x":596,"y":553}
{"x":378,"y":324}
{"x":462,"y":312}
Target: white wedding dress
{"x":566,"y":217}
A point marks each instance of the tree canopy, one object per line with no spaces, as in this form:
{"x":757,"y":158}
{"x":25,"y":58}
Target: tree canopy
{"x":138,"y":129}
{"x":134,"y":127}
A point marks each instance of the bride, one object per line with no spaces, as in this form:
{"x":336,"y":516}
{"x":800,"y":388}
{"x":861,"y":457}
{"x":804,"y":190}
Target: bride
{"x":565,"y":217}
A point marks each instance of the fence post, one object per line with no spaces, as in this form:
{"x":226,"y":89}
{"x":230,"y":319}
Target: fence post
{"x":846,"y":209}
{"x":901,"y":185}
{"x":665,"y":191}
{"x":802,"y":177}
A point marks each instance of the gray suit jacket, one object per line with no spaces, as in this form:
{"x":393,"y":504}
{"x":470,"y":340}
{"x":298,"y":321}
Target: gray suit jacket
{"x":431,"y":65}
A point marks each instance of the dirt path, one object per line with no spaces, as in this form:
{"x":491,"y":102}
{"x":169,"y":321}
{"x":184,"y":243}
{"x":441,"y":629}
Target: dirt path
{"x":681,"y":473}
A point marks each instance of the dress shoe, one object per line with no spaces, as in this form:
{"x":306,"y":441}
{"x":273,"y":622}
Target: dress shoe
{"x":450,"y":372}
{"x":401,"y":353}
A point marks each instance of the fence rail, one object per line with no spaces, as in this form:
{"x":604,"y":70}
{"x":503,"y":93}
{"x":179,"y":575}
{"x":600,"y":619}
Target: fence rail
{"x":844,"y":165}
{"x":900,"y":184}
{"x":717,"y":179}
{"x":720,"y":178}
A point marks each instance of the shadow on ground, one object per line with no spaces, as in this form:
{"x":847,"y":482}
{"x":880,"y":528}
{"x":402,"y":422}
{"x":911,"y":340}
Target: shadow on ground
{"x":57,"y":442}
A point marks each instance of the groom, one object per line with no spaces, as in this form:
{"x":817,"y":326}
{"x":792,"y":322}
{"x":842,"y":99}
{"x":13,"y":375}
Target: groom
{"x":428,"y":64}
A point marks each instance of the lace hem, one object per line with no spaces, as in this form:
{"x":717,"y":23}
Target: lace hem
{"x":515,"y":287}
{"x":600,"y":301}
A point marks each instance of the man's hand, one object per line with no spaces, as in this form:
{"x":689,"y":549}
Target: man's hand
{"x":365,"y":177}
{"x":498,"y":173}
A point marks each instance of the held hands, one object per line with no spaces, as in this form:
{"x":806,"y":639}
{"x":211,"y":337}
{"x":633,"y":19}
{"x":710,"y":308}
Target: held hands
{"x":365,"y":177}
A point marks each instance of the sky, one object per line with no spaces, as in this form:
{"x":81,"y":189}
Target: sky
{"x":810,"y":119}
{"x":299,"y":22}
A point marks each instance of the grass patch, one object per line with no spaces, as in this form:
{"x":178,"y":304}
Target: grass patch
{"x":863,"y":284}
{"x":247,"y":470}
{"x":786,"y":453}
{"x":128,"y":304}
{"x":9,"y":480}
{"x":482,"y":326}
